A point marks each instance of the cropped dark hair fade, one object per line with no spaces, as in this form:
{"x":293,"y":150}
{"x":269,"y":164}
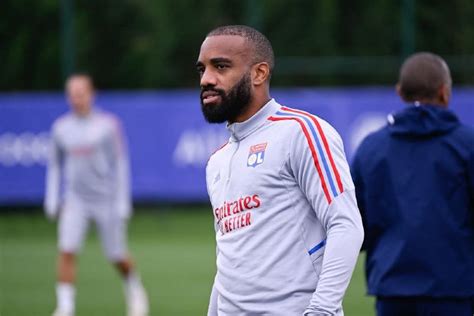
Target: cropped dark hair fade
{"x":421,"y":75}
{"x":263,"y":51}
{"x":83,"y":75}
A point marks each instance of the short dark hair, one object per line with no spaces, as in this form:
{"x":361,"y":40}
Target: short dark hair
{"x":421,"y":75}
{"x":83,"y":75}
{"x":262,"y":46}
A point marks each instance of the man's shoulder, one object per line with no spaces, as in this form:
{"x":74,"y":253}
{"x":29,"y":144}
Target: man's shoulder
{"x":62,"y":121}
{"x":292,"y":121}
{"x":465,"y":131}
{"x":217,"y":153}
{"x":464,"y":136}
{"x":109,"y":122}
{"x":108,"y":117}
{"x":373,"y":141}
{"x":378,"y":135}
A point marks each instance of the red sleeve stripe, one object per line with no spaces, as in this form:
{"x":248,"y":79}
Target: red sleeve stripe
{"x":325,"y":142}
{"x":317,"y":142}
{"x":312,"y":149}
{"x":217,"y":150}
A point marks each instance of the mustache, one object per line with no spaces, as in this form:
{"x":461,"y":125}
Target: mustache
{"x":210,"y":88}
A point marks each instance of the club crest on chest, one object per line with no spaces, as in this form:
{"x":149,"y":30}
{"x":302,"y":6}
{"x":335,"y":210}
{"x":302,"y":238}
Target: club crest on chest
{"x":256,"y":155}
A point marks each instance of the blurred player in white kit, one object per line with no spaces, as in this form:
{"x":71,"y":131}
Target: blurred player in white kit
{"x":89,"y":154}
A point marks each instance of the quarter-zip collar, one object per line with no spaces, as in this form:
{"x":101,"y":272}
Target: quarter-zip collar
{"x":85,"y":118}
{"x":241,"y":130}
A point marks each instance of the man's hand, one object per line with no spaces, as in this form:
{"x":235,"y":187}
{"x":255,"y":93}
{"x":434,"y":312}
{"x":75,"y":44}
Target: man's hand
{"x":125,"y":212}
{"x":53,"y":214}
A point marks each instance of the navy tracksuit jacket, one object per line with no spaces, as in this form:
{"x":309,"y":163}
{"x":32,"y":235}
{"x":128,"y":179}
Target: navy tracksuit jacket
{"x":414,"y":182}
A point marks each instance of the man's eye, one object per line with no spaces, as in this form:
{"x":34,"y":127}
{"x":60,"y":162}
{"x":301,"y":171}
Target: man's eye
{"x":220,"y":67}
{"x":200,"y":70}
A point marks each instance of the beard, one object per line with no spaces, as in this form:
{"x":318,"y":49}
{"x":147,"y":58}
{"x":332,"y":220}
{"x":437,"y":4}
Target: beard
{"x":232,"y":104}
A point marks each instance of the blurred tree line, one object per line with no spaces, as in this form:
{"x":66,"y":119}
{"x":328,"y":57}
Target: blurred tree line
{"x":139,"y":44}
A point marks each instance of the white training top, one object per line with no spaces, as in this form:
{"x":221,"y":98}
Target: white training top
{"x":89,"y":152}
{"x":288,"y":229}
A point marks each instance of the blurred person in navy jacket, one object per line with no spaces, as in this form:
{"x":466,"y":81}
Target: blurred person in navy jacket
{"x":414,"y":182}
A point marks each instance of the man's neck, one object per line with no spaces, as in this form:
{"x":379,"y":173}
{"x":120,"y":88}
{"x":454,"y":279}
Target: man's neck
{"x":430,"y":102}
{"x":83,"y":114}
{"x":255,"y":105}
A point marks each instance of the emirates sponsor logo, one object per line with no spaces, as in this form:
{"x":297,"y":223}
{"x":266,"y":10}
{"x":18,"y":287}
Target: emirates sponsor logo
{"x":237,"y":214}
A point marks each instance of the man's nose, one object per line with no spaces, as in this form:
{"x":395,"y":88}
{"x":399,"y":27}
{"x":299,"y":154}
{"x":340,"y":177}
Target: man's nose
{"x":208,"y":78}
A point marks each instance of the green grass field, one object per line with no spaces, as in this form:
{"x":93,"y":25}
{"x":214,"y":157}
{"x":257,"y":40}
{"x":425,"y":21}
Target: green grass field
{"x":174,"y":249}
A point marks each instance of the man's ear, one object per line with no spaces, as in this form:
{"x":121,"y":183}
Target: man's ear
{"x":398,"y":88}
{"x":260,"y":73}
{"x":444,"y":94}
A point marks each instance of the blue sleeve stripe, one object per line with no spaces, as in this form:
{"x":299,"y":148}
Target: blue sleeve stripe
{"x":318,"y":145}
{"x":317,"y":247}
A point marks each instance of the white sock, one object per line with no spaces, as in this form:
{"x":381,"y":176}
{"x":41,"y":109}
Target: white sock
{"x":132,"y":281}
{"x":136,"y":296}
{"x":65,"y":294}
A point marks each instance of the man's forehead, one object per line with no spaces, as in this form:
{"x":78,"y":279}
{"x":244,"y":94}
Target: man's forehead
{"x":223,"y":46}
{"x":78,"y":81}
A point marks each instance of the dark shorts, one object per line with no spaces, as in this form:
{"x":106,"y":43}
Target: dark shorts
{"x":421,"y":306}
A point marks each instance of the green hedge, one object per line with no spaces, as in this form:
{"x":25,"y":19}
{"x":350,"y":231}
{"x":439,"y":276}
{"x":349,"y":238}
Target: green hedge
{"x":135,"y":44}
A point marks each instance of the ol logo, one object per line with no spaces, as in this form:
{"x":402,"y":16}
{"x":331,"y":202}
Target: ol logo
{"x":256,"y":155}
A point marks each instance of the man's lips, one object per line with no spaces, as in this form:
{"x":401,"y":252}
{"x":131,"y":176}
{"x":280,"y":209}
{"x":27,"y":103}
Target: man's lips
{"x":209,"y":96}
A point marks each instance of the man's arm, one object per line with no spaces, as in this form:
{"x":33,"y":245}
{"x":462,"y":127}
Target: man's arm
{"x":213,"y":306}
{"x":359,"y":190}
{"x":122,"y":172}
{"x":212,"y":309}
{"x":470,"y":167}
{"x":322,"y":173}
{"x":344,"y":239}
{"x":53,"y":178}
